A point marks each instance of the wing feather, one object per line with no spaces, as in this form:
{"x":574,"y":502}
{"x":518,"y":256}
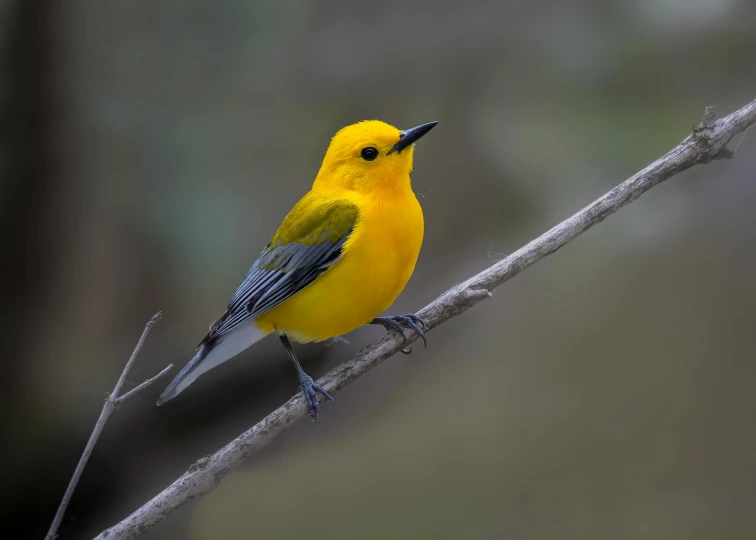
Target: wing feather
{"x":310,"y":241}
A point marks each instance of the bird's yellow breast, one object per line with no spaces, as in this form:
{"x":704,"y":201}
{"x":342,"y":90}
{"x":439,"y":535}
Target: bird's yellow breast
{"x":377,"y":261}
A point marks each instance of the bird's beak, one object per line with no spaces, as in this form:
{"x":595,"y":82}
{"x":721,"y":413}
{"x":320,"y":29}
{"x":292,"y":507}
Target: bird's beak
{"x":411,"y":135}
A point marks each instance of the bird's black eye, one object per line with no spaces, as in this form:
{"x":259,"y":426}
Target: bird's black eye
{"x":369,"y":153}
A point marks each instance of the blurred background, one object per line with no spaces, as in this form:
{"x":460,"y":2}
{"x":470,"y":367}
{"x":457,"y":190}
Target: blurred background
{"x":150,"y":150}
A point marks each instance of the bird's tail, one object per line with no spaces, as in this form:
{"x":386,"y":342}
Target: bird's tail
{"x":211,"y":354}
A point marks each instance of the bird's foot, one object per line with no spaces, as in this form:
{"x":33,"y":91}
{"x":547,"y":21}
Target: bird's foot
{"x":311,"y":389}
{"x":400,"y":322}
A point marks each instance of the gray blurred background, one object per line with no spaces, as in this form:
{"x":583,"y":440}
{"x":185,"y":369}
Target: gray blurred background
{"x":150,"y":150}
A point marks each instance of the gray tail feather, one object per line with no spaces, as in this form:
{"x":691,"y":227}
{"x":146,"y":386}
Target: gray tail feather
{"x":212,"y":354}
{"x":172,"y":390}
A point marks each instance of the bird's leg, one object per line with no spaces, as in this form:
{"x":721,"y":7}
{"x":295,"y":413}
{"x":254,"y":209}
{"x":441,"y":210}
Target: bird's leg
{"x":398,"y":323}
{"x":309,"y":388}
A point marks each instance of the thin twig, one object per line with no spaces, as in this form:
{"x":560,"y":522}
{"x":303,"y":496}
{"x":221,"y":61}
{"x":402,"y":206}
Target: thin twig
{"x":706,"y":143}
{"x":145,"y":384}
{"x":155,"y":318}
{"x":112,"y":401}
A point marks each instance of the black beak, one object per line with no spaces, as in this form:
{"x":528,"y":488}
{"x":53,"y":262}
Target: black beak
{"x":410,"y":136}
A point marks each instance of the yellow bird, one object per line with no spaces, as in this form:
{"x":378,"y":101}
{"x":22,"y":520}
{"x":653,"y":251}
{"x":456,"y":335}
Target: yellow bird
{"x":339,"y":259}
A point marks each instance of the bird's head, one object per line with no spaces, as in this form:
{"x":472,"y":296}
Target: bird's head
{"x":370,"y":155}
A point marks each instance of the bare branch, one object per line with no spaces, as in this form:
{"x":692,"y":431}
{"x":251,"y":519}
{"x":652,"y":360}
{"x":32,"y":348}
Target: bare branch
{"x":706,"y":143}
{"x":145,"y":384}
{"x":155,"y":318}
{"x":112,"y":401}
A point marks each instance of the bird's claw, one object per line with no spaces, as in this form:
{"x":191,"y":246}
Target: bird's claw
{"x":398,"y":323}
{"x":311,"y":389}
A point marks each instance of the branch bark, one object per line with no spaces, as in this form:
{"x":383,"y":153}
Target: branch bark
{"x":707,"y":142}
{"x":112,"y":401}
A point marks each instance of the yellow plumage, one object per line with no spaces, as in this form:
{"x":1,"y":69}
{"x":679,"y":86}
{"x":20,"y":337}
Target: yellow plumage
{"x":340,"y":258}
{"x":380,"y":254}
